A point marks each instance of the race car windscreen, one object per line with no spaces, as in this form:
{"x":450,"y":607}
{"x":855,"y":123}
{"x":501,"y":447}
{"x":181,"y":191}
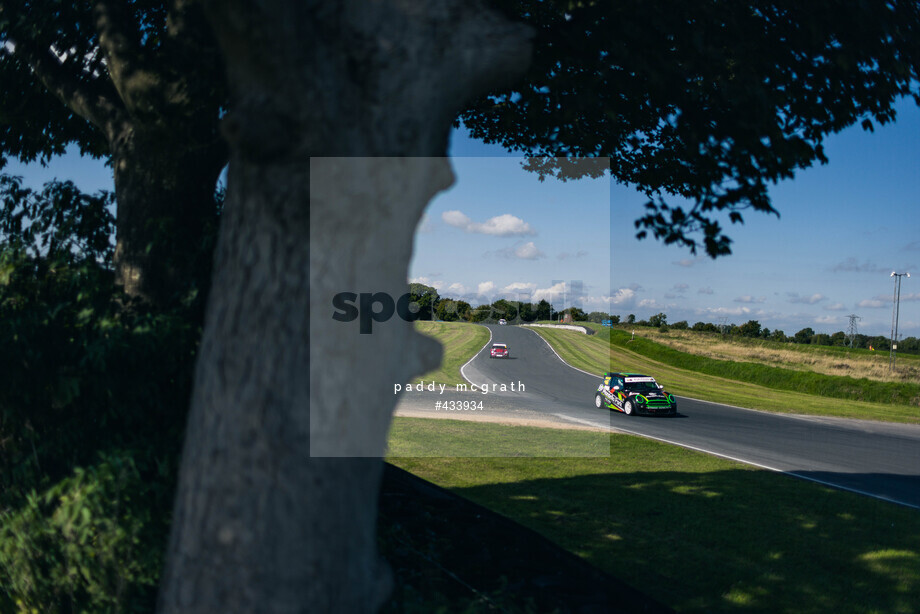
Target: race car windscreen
{"x":642,"y":387}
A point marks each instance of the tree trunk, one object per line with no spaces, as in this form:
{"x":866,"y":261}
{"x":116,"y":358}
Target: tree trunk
{"x":276,"y":504}
{"x":167,"y":216}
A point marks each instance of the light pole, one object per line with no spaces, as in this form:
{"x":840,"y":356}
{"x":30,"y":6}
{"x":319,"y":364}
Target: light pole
{"x":893,"y":352}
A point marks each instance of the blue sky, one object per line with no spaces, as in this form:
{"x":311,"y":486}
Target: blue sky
{"x":843,"y":228}
{"x":499,"y":232}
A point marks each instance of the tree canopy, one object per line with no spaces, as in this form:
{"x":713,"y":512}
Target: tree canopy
{"x":141,"y":84}
{"x":700,"y":105}
{"x":74,"y":72}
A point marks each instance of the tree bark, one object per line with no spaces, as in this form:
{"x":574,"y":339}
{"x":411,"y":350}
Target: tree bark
{"x":338,"y":135}
{"x":167,"y":216}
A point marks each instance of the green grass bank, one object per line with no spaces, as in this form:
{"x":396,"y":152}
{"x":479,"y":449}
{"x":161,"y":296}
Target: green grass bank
{"x":461,"y":341}
{"x":699,"y":533}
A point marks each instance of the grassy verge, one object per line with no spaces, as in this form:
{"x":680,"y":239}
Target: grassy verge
{"x":461,"y":341}
{"x":828,"y":360}
{"x":413,"y":438}
{"x":797,"y":379}
{"x":696,"y":532}
{"x":597,"y":353}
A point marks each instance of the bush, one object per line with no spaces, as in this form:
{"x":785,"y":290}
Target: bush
{"x":83,"y":544}
{"x":94,"y":392}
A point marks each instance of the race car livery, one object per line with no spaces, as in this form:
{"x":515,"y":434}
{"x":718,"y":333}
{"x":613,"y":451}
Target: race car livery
{"x":634,"y":393}
{"x":499,"y":350}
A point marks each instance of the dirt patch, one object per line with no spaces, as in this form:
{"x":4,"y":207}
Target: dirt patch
{"x":505,"y":419}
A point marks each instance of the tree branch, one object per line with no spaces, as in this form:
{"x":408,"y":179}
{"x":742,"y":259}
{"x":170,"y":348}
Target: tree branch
{"x":120,"y":40}
{"x":80,"y":96}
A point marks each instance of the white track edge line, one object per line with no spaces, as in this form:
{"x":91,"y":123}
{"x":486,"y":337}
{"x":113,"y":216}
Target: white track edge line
{"x":560,"y":357}
{"x":749,"y":462}
{"x":462,"y":374}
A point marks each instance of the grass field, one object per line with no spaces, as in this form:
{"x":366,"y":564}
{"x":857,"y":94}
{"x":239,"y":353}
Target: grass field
{"x":461,"y":341}
{"x":827,"y":360}
{"x":698,"y":533}
{"x":598,"y":353}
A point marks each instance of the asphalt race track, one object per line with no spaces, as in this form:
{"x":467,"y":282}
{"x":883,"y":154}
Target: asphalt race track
{"x":873,"y":458}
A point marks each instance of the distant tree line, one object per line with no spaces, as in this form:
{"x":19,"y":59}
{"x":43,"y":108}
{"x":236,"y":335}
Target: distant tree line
{"x":807,"y":336}
{"x":431,"y":306}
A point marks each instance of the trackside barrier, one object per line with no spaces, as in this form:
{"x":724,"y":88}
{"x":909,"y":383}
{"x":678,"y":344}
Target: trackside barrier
{"x":580,"y":329}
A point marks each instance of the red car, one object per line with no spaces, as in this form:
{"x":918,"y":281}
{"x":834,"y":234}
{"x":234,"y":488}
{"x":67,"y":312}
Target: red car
{"x":500,"y":350}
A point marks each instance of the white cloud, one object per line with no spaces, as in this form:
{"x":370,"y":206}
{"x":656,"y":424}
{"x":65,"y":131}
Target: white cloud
{"x":827,"y":320}
{"x":579,"y":254}
{"x":747,"y":298}
{"x":553,"y":292}
{"x":835,"y":307}
{"x":520,"y":251}
{"x":436,"y":284}
{"x":456,"y":219}
{"x":624,"y":297}
{"x":504,"y":225}
{"x":688,"y":262}
{"x":519,"y":288}
{"x":485,"y":287}
{"x":680,"y":287}
{"x":723,"y":311}
{"x":805,"y":300}
{"x":883,"y":300}
{"x":598,"y":303}
{"x":456,"y":288}
{"x":705,"y":291}
{"x":852,"y":265}
{"x":528,"y":251}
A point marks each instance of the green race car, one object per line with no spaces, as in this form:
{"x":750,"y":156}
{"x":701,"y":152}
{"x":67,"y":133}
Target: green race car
{"x":633,"y":393}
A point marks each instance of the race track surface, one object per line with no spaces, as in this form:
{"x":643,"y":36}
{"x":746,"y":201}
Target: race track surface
{"x":873,"y":458}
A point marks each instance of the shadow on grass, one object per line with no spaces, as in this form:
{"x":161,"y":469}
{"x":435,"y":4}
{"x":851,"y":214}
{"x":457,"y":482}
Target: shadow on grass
{"x":449,"y":554}
{"x":726,"y":541}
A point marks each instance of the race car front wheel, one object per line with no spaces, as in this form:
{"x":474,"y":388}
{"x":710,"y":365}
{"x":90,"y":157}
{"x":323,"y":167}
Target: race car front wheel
{"x":628,"y":408}
{"x":598,"y":401}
